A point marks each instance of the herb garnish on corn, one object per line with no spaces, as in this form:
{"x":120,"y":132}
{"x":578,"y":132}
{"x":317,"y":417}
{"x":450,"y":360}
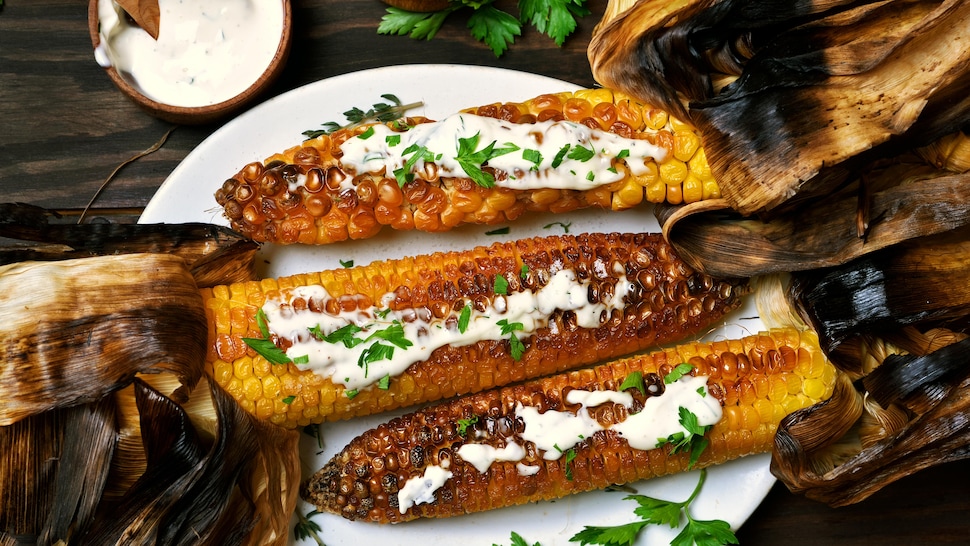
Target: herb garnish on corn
{"x":486,"y":165}
{"x":354,"y":341}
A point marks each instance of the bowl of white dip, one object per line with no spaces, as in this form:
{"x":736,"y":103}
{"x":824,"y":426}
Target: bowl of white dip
{"x":211,"y":58}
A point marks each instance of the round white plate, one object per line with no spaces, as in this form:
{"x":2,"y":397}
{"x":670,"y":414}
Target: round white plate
{"x":732,"y":491}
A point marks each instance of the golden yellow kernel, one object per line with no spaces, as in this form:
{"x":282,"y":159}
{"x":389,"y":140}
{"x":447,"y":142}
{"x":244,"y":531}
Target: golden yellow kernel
{"x":655,"y":118}
{"x":630,"y":195}
{"x":271,"y":386}
{"x":677,"y":125}
{"x":252,"y":388}
{"x":765,"y":409}
{"x":595,"y":95}
{"x":711,"y":190}
{"x":693,"y":189}
{"x":673,"y":172}
{"x":794,"y":383}
{"x":813,"y":388}
{"x":264,"y":408}
{"x":243,"y":368}
{"x":779,"y":389}
{"x":675,"y":194}
{"x":222,"y":372}
{"x":686,"y":144}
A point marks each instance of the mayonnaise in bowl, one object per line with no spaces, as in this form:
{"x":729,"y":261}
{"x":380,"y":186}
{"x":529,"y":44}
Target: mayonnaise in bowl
{"x":207,"y":52}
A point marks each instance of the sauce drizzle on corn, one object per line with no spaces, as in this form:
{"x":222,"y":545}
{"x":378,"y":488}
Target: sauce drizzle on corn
{"x":528,"y":310}
{"x":545,"y":154}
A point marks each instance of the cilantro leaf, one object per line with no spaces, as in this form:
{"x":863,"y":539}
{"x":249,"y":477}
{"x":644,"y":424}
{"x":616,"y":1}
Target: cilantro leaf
{"x":495,"y":28}
{"x":344,"y":334}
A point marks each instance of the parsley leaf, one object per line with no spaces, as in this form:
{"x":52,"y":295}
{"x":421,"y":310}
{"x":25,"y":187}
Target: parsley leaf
{"x":501,"y":285}
{"x":494,"y":27}
{"x":505,"y":230}
{"x":693,"y":441}
{"x":517,"y":540}
{"x":565,"y":226}
{"x":306,"y":528}
{"x":634,"y":381}
{"x":581,"y":153}
{"x":661,"y":512}
{"x":679,"y":371}
{"x":554,"y":18}
{"x":472,"y":161}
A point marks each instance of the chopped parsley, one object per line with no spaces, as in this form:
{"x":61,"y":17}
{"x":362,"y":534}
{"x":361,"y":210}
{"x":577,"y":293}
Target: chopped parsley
{"x":463,"y":425}
{"x":264,"y":346}
{"x":679,"y":371}
{"x":384,"y":383}
{"x":501,"y":285}
{"x":634,"y":381}
{"x":516,"y":347}
{"x":564,"y":225}
{"x":464,"y":318}
{"x":471,"y":160}
{"x":346,"y":263}
{"x":570,"y":455}
{"x":560,"y":156}
{"x":289,"y":399}
{"x":581,"y":153}
{"x":367,"y":133}
{"x":532,"y":156}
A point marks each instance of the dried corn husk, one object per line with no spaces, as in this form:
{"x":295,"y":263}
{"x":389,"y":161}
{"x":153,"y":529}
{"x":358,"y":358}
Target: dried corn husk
{"x":827,"y":455}
{"x":890,"y":203}
{"x":781,"y":92}
{"x":93,"y":452}
{"x":75,"y":330}
{"x":924,"y":283}
{"x":215,"y":254}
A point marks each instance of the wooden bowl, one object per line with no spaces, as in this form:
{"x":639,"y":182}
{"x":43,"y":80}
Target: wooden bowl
{"x":198,"y":115}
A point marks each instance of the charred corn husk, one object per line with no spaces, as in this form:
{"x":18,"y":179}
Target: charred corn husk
{"x":400,"y":332}
{"x":504,"y":447}
{"x":572,"y":150}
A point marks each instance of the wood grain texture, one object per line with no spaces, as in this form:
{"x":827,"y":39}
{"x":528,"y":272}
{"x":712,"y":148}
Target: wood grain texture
{"x":64,"y":128}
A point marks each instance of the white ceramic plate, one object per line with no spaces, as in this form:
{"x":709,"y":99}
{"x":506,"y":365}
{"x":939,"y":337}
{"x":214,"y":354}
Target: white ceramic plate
{"x":732,"y":491}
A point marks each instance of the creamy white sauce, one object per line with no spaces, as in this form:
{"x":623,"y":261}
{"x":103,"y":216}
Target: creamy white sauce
{"x":421,"y":489}
{"x":531,"y":309}
{"x":207,"y":51}
{"x":555,"y":432}
{"x":481,"y":456}
{"x":387,"y":151}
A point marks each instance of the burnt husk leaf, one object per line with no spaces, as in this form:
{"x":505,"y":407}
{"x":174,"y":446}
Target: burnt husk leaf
{"x":94,"y":324}
{"x":924,"y":282}
{"x":214,"y":254}
{"x":814,"y":85}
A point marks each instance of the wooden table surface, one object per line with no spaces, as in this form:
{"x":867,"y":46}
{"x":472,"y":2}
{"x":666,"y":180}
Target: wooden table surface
{"x":64,"y":128}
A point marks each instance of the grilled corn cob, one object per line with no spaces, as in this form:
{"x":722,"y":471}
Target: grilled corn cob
{"x":477,"y":319}
{"x":315,"y":193}
{"x":482,"y":451}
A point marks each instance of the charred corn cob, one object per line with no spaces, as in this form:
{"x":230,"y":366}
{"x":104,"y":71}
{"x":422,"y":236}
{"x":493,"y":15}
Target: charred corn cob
{"x":491,"y":164}
{"x":394,"y":333}
{"x":577,"y":431}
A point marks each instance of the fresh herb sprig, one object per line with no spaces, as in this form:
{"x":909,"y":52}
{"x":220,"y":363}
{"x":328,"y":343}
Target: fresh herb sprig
{"x":490,"y":25}
{"x":307,"y":528}
{"x":661,"y":512}
{"x":382,"y":112}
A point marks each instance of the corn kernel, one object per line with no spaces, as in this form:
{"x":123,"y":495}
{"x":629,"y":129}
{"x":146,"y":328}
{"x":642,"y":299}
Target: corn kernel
{"x":673,"y":171}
